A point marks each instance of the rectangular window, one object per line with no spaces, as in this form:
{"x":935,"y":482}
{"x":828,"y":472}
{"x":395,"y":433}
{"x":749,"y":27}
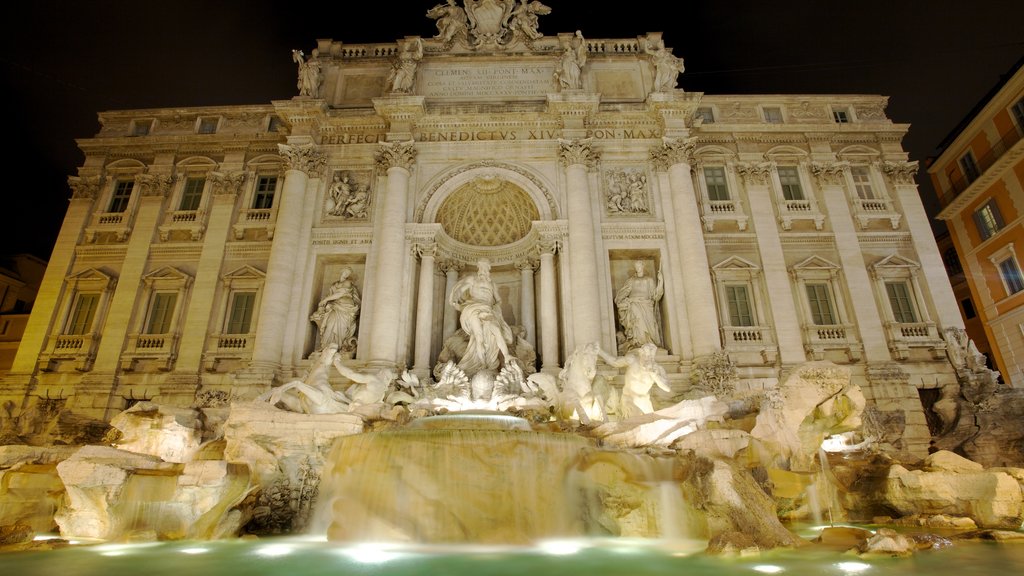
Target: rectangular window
{"x":240,"y":317}
{"x":820,"y":300}
{"x":207,"y":126}
{"x":707,"y":115}
{"x":789,"y":177}
{"x":740,"y":313}
{"x":968,"y":307}
{"x":160,"y":312}
{"x":82,"y":316}
{"x":862,"y":182}
{"x":264,"y":197}
{"x":718,"y":189}
{"x":970,"y":166}
{"x":122,"y":193}
{"x":1018,"y":114}
{"x":192,"y":193}
{"x":1010,"y":272}
{"x":141,"y":127}
{"x":902,"y":305}
{"x":841,"y":116}
{"x":988,"y":219}
{"x":772,"y":115}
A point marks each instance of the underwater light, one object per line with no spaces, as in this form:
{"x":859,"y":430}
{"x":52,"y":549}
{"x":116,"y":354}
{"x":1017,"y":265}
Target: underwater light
{"x":852,"y":567}
{"x":768,"y":569}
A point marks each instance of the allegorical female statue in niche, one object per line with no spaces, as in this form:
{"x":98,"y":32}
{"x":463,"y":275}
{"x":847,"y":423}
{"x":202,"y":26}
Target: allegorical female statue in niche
{"x":336,"y":313}
{"x":637,"y":303}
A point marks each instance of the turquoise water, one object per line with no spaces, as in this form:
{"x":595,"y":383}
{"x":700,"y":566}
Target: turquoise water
{"x":617,"y":557}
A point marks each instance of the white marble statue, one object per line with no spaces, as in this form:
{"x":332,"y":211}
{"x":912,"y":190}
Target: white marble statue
{"x":476,"y":299}
{"x":577,"y":379}
{"x":667,"y":67}
{"x":335,"y":315}
{"x":642,"y":373}
{"x":369,"y":388}
{"x":313,"y":394}
{"x":570,"y":66}
{"x":403,"y":72}
{"x":524,"y":18}
{"x":451,"y":21}
{"x":637,"y":303}
{"x":309,"y":73}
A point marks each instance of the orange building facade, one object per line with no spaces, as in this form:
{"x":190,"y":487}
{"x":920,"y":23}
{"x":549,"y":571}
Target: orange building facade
{"x":979,"y":177}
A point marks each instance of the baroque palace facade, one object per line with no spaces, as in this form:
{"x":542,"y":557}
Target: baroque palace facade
{"x":198,"y":242}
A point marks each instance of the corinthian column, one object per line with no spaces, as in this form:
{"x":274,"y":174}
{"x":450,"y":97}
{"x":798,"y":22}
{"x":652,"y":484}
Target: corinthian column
{"x":756,"y":178}
{"x":674,"y":157}
{"x":548,"y":307}
{"x":153,"y":190}
{"x":526,"y":305}
{"x":577,"y":156}
{"x":451,"y":270}
{"x":831,"y":176}
{"x":84,"y":190}
{"x":303,"y":162}
{"x":396,"y":159}
{"x":424,"y":309}
{"x":901,"y":174}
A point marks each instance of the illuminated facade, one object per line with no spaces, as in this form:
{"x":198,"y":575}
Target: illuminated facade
{"x":199,"y":241}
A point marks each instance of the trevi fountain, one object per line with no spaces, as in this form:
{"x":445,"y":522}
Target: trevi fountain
{"x":489,"y":461}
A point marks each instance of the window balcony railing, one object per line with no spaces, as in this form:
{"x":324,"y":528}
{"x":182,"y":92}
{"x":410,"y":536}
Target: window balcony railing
{"x":819,"y":338}
{"x":161,"y":348}
{"x":999,"y":148}
{"x":221,"y":347}
{"x":906,"y":335}
{"x":750,"y":345}
{"x":715,"y":210}
{"x":77,"y":348}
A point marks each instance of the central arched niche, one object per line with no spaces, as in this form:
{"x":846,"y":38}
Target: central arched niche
{"x":487,"y":211}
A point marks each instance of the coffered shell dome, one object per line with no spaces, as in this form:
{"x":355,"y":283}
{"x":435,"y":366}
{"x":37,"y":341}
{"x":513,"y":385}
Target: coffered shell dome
{"x":487,"y":211}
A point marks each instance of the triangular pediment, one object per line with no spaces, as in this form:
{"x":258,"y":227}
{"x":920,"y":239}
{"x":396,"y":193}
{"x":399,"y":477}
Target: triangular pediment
{"x":245,"y":273}
{"x":895,"y":261}
{"x":733,"y":263}
{"x":90,"y":275}
{"x":815,"y":263}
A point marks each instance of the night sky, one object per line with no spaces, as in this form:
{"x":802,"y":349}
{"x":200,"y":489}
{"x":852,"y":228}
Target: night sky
{"x":61,"y":62}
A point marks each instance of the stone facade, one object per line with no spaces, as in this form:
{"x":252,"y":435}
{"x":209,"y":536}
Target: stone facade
{"x":198,"y":241}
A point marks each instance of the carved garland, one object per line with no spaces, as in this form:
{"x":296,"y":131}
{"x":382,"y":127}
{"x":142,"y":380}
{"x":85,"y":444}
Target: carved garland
{"x":830,"y":173}
{"x":154,"y":184}
{"x":226,"y":182}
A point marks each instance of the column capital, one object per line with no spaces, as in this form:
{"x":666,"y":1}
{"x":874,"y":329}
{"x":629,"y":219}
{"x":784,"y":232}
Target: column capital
{"x":450,"y":264}
{"x":154,"y":184}
{"x":226,"y":182}
{"x":85,"y":186}
{"x":548,"y":246}
{"x":578,"y":152}
{"x":306,"y":158}
{"x":424,"y":250}
{"x":830,"y":173}
{"x":901,"y":172}
{"x":756,"y":173}
{"x":396,"y":154}
{"x":525,"y":264}
{"x":673,"y":151}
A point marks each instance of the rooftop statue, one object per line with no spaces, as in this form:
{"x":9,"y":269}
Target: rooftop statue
{"x":309,"y":73}
{"x":403,"y":73}
{"x":667,"y":67}
{"x":570,"y":67}
{"x":451,"y":22}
